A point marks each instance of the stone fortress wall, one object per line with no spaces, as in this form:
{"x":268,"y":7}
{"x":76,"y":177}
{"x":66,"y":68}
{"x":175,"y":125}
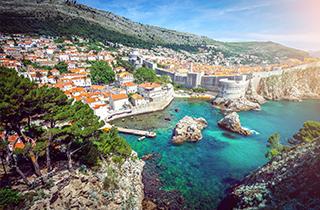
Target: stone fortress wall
{"x":229,"y":85}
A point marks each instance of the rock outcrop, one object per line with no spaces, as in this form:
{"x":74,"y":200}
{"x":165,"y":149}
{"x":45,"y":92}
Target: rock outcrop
{"x":253,"y":96}
{"x":235,"y":105}
{"x":111,"y":187}
{"x":231,"y":122}
{"x":188,"y":129}
{"x":294,"y":86}
{"x":289,"y":181}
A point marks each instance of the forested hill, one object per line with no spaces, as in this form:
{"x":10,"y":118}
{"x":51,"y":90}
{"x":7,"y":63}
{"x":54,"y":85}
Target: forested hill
{"x":66,"y":17}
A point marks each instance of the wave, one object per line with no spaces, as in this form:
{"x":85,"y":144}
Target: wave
{"x":251,"y":130}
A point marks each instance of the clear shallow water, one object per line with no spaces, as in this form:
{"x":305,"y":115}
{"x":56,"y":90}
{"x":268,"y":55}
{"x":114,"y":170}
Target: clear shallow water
{"x":203,"y":171}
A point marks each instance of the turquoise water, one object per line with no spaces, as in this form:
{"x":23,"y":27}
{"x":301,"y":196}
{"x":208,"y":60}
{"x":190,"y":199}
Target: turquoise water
{"x":202,"y":172}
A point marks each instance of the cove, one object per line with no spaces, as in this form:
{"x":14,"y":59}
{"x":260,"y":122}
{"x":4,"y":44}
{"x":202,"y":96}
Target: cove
{"x":203,"y":171}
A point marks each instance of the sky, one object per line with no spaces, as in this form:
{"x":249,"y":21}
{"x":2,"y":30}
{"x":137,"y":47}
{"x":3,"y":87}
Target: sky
{"x":295,"y":23}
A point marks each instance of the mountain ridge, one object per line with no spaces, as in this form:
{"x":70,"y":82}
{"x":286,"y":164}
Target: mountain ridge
{"x":65,"y":18}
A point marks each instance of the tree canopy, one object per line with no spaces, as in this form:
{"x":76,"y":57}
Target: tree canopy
{"x":274,"y":146}
{"x":101,"y":73}
{"x":48,"y":122}
{"x":62,"y":67}
{"x":145,"y":75}
{"x":309,"y":132}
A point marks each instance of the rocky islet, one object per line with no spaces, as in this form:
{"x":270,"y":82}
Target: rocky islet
{"x":188,"y":129}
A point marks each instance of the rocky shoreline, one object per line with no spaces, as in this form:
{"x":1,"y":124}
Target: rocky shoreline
{"x":155,"y":197}
{"x":188,"y":129}
{"x":287,"y":181}
{"x":112,"y":186}
{"x":292,"y":86}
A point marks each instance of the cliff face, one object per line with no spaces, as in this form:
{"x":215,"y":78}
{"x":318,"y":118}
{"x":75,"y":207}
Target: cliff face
{"x":289,"y":181}
{"x":302,"y":84}
{"x":110,"y":187}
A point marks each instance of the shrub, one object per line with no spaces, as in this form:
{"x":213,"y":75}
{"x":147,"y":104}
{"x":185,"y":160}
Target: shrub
{"x":309,"y":132}
{"x":9,"y":197}
{"x":110,"y":181}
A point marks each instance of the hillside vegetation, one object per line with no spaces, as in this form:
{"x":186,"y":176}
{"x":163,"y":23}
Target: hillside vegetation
{"x":65,"y":18}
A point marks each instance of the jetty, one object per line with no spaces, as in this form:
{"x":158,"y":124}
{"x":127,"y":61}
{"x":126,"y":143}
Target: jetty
{"x":137,"y":132}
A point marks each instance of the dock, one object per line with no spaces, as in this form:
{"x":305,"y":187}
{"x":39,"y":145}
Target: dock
{"x":137,"y":132}
{"x":148,"y":134}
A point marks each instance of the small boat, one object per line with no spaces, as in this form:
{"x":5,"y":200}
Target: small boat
{"x":141,"y":138}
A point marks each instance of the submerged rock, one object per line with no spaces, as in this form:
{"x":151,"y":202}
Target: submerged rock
{"x":189,"y":129}
{"x":231,"y":122}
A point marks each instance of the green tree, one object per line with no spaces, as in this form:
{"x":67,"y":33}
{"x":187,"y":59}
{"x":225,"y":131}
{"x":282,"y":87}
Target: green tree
{"x":13,"y":90}
{"x":9,"y":198}
{"x":54,"y":106}
{"x":308,"y":133}
{"x":125,"y":64}
{"x":164,"y":79}
{"x":274,"y":146}
{"x":112,"y":143}
{"x":26,"y":62}
{"x":145,"y":75}
{"x":101,"y":73}
{"x":62,"y":67}
{"x":84,"y":128}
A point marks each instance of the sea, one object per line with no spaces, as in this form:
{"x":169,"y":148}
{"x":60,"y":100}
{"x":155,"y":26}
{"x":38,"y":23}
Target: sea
{"x":202,"y":172}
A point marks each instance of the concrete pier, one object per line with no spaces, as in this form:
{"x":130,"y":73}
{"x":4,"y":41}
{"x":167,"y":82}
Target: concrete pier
{"x":148,"y":134}
{"x":137,"y":132}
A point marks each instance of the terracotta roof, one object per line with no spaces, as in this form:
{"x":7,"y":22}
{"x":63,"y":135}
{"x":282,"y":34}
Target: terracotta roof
{"x":120,"y":96}
{"x":149,"y":85}
{"x":128,"y":84}
{"x":136,"y":96}
{"x":97,"y":87}
{"x":54,"y":70}
{"x":106,"y":94}
{"x":77,"y":98}
{"x":90,"y":100}
{"x":124,"y":74}
{"x":77,"y":89}
{"x":99,"y":106}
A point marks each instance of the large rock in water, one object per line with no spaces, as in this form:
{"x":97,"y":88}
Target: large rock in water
{"x":235,"y":105}
{"x":188,"y":129}
{"x":231,"y":122}
{"x":289,"y":181}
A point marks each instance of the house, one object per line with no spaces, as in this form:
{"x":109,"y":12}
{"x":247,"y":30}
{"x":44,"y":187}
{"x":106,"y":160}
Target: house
{"x":119,"y":101}
{"x":52,"y":79}
{"x":124,"y":77}
{"x":119,"y":69}
{"x":92,"y":101}
{"x":150,"y":90}
{"x":137,"y":100}
{"x":55,"y":72}
{"x":82,"y":81}
{"x":130,"y":87}
{"x":64,"y":85}
{"x":97,"y":88}
{"x":63,"y":57}
{"x":101,"y":110}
